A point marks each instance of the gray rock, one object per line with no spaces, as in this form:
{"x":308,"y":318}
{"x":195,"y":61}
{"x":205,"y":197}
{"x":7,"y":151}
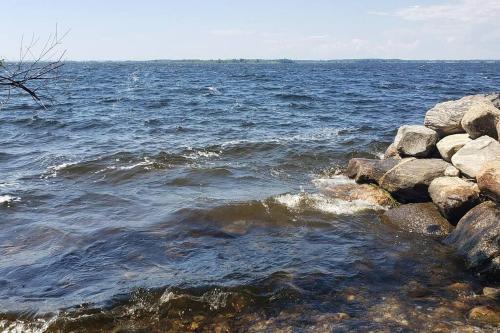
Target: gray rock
{"x":481,"y":119}
{"x":451,"y":171}
{"x":453,"y":196}
{"x":409,"y":180}
{"x":445,"y":118}
{"x":449,"y":145}
{"x":421,"y":218}
{"x":494,"y":98}
{"x":488,"y":179}
{"x":365,"y":170}
{"x":415,"y":140}
{"x":477,"y":237}
{"x":473,"y":155}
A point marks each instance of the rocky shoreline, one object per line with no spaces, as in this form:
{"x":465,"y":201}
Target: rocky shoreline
{"x":442,"y":179}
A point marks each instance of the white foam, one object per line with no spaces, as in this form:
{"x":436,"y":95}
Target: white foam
{"x":206,"y":154}
{"x":53,"y":170}
{"x":147,"y":162}
{"x":8,"y":199}
{"x":320,"y":202}
{"x":20,"y":326}
{"x":322,"y":183}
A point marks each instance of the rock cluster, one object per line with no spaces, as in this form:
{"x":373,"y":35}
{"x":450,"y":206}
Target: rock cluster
{"x":446,"y":173}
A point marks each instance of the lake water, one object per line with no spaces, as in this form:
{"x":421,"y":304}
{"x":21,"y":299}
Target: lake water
{"x":168,"y":196}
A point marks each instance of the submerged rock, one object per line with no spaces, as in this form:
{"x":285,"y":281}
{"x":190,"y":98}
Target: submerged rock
{"x":421,"y":218}
{"x":351,"y":192}
{"x":475,"y":154}
{"x":481,"y":119}
{"x":453,"y":196}
{"x":415,"y":140}
{"x":477,"y":237}
{"x":490,"y":292}
{"x":488,"y":179}
{"x":409,"y":180}
{"x":449,"y":145}
{"x":485,"y":314}
{"x":365,"y":170}
{"x":445,"y":118}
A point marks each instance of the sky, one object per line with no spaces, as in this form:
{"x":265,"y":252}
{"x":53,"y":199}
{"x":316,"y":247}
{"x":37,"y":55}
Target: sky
{"x":272,"y":29}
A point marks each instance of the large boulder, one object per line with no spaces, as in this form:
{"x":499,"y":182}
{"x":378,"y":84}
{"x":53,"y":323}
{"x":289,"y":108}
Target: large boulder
{"x":445,"y":118}
{"x":477,"y":237}
{"x":415,"y":140}
{"x":453,"y":196}
{"x":449,"y":145}
{"x":365,"y":170}
{"x":365,"y":192}
{"x":481,"y":119}
{"x":474,"y":154}
{"x":409,"y":180}
{"x":421,"y":218}
{"x":488,"y":179}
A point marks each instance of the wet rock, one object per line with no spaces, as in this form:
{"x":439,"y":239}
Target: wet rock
{"x":415,"y":289}
{"x":488,"y":179}
{"x":449,"y":145}
{"x":481,"y":119}
{"x":453,"y":196}
{"x":408,"y":181}
{"x":477,"y":238}
{"x":365,"y":170}
{"x":485,"y":314}
{"x":365,"y":192}
{"x":490,"y":292}
{"x":415,"y":140}
{"x":451,"y":171}
{"x":392,"y":152}
{"x":445,"y":118}
{"x":475,"y":154}
{"x":421,"y":218}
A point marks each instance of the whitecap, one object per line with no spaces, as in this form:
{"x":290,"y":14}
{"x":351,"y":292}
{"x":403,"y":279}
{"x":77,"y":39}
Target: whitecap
{"x":322,"y":203}
{"x":6,"y":199}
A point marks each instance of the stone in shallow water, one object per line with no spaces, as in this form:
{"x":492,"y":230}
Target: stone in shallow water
{"x":449,"y":145}
{"x":477,"y":238}
{"x":365,"y":170}
{"x":445,"y":118}
{"x":485,"y":314}
{"x":491,"y":292}
{"x":481,"y":119}
{"x":475,"y":154}
{"x":421,"y":218}
{"x":453,"y":196}
{"x":488,"y":179}
{"x":408,"y":181}
{"x":365,"y":192}
{"x":415,"y":140}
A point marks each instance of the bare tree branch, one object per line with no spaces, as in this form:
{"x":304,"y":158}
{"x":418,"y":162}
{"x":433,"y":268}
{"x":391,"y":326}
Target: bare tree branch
{"x":35,"y":70}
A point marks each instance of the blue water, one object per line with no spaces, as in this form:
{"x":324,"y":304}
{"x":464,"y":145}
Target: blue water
{"x":143,"y":177}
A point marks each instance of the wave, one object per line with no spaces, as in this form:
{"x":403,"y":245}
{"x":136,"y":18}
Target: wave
{"x":294,"y":97}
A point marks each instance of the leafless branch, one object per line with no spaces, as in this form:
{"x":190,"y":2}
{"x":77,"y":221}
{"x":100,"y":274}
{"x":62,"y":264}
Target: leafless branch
{"x":35,"y":70}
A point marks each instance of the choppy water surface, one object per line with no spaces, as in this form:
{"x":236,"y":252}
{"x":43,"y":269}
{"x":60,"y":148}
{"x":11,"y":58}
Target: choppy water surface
{"x":187,"y":197}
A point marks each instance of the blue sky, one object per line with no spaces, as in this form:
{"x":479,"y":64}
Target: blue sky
{"x":296,"y":29}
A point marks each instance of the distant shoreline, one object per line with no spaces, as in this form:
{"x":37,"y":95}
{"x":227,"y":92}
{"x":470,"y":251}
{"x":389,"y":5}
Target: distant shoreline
{"x":280,"y":61}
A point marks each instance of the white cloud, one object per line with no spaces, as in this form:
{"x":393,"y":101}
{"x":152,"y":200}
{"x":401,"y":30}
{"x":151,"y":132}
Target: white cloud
{"x":467,"y":11}
{"x":231,"y":32}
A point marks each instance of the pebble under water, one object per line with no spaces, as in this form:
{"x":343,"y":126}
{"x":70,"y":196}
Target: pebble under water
{"x":187,"y":197}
